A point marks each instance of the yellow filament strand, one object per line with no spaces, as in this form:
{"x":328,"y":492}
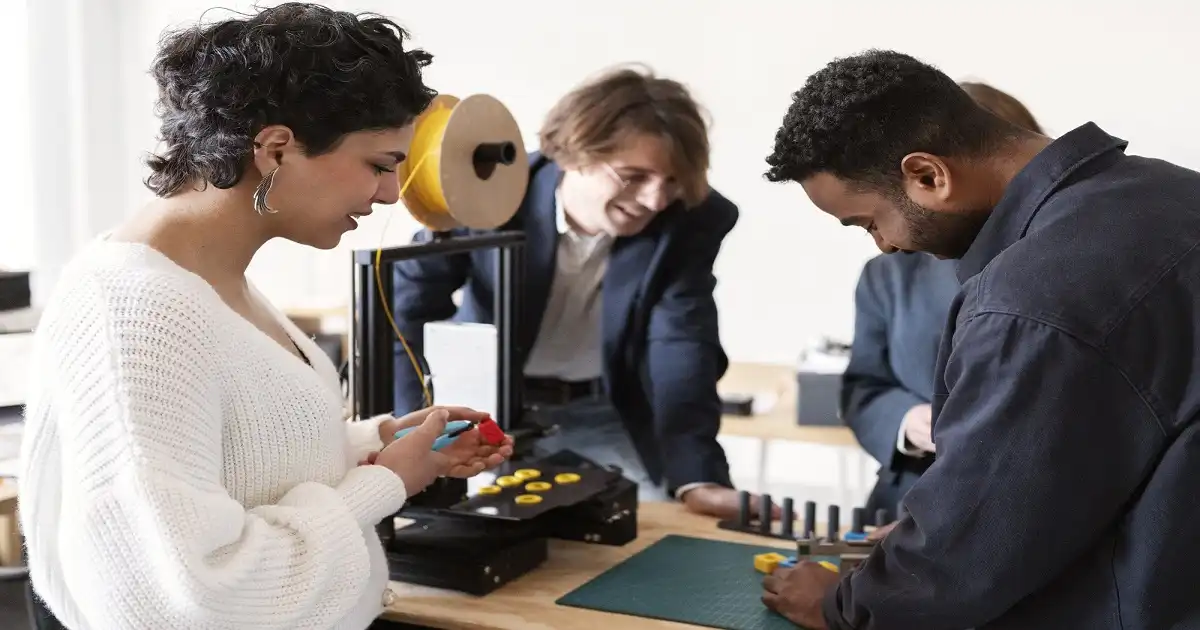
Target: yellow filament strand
{"x":386,"y":300}
{"x":426,"y":141}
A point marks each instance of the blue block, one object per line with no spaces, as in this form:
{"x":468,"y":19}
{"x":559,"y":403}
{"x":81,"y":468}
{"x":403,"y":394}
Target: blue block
{"x":449,"y":434}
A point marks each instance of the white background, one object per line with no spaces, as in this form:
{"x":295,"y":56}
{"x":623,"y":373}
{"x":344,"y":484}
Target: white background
{"x":786,"y":273}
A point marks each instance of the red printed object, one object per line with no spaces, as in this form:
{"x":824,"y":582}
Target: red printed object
{"x":490,"y":431}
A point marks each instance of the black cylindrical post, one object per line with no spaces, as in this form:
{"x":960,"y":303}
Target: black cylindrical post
{"x":810,"y":519}
{"x":744,"y":508}
{"x":789,"y":516}
{"x":764,"y":513}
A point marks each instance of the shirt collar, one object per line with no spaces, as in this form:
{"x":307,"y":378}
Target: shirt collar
{"x":560,"y":215}
{"x":564,"y":227}
{"x":1027,"y":192}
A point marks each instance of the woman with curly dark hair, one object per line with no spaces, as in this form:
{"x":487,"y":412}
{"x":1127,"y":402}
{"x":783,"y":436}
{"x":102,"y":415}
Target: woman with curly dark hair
{"x":186,"y":461}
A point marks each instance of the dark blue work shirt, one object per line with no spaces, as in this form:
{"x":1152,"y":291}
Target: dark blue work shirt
{"x":900,"y":309}
{"x":1064,"y":494}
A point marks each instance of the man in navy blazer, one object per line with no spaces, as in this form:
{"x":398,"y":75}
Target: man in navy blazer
{"x":619,"y":329}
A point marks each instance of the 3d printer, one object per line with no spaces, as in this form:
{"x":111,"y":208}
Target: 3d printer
{"x":468,"y":168}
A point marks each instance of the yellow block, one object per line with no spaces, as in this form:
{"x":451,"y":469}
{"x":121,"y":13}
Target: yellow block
{"x":766,"y":562}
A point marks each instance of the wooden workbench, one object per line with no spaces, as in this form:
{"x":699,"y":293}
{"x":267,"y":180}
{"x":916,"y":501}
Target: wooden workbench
{"x":528,"y":602}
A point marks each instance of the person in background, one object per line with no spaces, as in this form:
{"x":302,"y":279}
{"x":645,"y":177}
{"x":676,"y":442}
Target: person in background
{"x":185,"y":461}
{"x":901,"y":303}
{"x":619,"y":338}
{"x":1066,"y":392}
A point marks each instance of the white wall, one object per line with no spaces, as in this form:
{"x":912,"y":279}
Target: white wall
{"x":787,"y":272}
{"x":16,"y":169}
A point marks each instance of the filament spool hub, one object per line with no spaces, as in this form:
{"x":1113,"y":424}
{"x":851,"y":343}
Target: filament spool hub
{"x":477,"y":169}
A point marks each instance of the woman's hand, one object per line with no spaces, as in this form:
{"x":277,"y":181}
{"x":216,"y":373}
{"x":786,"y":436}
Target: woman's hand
{"x":467,"y":450}
{"x":412,"y":457}
{"x":389,"y":427}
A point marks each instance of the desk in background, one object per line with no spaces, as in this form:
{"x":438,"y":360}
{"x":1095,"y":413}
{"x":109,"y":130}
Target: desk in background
{"x":779,"y":421}
{"x":10,"y":531}
{"x":528,"y":602}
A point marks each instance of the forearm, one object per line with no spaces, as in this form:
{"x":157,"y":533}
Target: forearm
{"x":687,"y":414}
{"x":1001,"y":511}
{"x":179,"y":558}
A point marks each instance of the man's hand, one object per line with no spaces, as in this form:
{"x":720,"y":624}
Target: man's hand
{"x":721,"y":502}
{"x":918,"y":428}
{"x":879,"y":533}
{"x":796,"y":593}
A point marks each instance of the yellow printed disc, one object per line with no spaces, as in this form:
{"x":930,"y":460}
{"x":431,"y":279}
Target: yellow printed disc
{"x":537,"y":486}
{"x":508,"y":481}
{"x":489,"y":490}
{"x":566,"y":478}
{"x":525,"y":474}
{"x":528,"y":499}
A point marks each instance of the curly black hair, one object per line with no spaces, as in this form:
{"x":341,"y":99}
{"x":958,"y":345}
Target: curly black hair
{"x":858,"y":117}
{"x":320,"y":72}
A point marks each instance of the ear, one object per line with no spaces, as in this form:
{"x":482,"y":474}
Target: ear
{"x":270,"y":144}
{"x":926,"y":180}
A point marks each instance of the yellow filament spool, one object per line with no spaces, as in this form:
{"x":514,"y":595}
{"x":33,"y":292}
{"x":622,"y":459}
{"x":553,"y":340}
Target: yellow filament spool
{"x":466,"y":166}
{"x":537,"y":486}
{"x":528,"y":499}
{"x":508,"y":481}
{"x":527,"y":474}
{"x":490,"y":490}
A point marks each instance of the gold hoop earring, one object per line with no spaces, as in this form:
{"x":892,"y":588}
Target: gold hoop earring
{"x":261,"y":192}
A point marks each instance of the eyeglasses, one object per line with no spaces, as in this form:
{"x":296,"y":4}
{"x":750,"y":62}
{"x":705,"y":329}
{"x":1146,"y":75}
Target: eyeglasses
{"x":639,"y":183}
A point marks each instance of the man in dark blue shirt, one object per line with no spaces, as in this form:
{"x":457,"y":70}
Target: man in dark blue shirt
{"x":1066,"y":392}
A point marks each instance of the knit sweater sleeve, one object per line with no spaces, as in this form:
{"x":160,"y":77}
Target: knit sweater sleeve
{"x":362,"y":436}
{"x":150,"y":537}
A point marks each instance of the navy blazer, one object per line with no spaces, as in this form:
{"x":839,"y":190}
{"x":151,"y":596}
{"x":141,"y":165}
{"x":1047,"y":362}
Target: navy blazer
{"x":661,"y":349}
{"x":1065,"y":412}
{"x":900,"y":308}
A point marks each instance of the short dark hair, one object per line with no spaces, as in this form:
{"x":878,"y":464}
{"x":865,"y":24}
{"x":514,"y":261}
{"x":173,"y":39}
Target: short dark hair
{"x":322,"y":73}
{"x":857,"y":118}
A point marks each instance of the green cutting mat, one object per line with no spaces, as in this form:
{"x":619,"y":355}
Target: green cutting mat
{"x":690,"y":580}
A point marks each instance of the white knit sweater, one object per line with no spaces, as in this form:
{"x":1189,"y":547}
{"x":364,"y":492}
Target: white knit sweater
{"x":183,"y":470}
